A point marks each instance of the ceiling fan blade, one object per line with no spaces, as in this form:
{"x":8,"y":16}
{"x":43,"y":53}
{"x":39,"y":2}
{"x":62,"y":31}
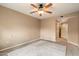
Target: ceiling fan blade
{"x":33,"y":5}
{"x":48,"y":12}
{"x":48,"y":5}
{"x":33,"y":12}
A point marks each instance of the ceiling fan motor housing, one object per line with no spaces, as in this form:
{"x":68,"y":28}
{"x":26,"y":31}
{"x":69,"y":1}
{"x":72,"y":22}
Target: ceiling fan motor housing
{"x":40,"y":8}
{"x":40,"y":5}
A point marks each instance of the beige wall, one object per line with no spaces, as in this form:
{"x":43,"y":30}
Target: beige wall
{"x":64,"y":30}
{"x":78,"y":33}
{"x":48,"y":29}
{"x":16,"y":28}
{"x":73,"y":30}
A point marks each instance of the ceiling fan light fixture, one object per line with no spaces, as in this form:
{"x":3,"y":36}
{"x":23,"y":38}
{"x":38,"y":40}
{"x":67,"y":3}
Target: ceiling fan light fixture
{"x":40,"y":12}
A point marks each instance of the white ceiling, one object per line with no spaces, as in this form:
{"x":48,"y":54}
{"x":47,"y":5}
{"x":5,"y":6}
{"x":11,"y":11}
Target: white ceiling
{"x":58,"y":9}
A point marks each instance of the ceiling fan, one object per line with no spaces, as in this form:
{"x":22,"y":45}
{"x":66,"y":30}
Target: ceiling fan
{"x":41,"y":8}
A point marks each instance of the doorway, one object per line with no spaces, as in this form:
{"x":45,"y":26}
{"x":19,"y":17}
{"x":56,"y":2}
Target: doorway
{"x":61,"y":32}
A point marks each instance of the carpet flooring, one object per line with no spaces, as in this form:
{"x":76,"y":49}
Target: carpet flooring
{"x":40,"y":48}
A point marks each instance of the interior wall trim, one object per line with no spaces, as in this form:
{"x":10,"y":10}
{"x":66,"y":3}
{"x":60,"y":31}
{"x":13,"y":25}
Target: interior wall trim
{"x":18,"y":45}
{"x":73,"y":43}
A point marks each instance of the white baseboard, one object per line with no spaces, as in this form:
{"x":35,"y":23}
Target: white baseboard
{"x":18,"y":45}
{"x":73,"y":43}
{"x":50,"y":39}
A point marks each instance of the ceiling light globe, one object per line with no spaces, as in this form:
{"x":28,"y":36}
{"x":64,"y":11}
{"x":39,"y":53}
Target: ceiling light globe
{"x":40,"y":12}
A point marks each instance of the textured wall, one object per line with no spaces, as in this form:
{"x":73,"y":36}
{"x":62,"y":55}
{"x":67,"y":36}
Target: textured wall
{"x":16,"y":28}
{"x":48,"y":29}
{"x":73,"y":31}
